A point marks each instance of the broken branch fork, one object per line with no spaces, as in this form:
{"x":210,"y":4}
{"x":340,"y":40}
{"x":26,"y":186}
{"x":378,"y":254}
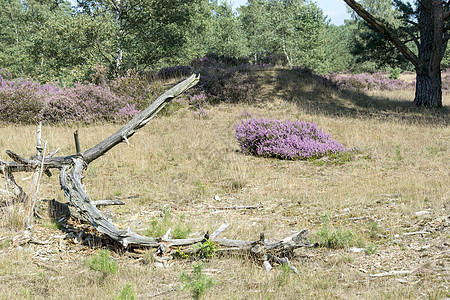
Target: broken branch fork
{"x":71,"y":173}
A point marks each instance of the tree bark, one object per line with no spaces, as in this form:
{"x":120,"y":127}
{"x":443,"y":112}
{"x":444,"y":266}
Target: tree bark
{"x":428,"y":78}
{"x":428,"y":90}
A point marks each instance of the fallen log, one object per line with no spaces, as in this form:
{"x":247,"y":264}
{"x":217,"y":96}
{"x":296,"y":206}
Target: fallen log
{"x":71,"y":174}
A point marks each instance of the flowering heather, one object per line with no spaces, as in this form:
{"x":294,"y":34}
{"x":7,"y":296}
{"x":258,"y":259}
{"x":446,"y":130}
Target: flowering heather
{"x":198,"y":101}
{"x":366,"y":81}
{"x":86,"y":103}
{"x":285,"y":140}
{"x":24,"y":101}
{"x":201,"y":114}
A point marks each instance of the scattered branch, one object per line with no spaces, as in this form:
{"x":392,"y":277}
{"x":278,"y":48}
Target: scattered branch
{"x":108,"y":202}
{"x":236,"y":207}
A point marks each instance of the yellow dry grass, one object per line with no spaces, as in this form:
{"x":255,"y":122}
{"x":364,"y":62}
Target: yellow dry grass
{"x":402,"y":169}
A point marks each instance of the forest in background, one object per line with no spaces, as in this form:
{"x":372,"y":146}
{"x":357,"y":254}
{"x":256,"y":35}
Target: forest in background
{"x":49,"y":40}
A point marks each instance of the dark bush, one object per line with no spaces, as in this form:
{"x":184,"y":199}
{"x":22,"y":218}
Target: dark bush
{"x":136,"y":90}
{"x":174,"y":72}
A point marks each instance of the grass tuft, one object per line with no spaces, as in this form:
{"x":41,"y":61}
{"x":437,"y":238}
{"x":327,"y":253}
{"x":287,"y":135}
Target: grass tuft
{"x":158,"y":227}
{"x":333,"y":238}
{"x":103,"y":263}
{"x":197,"y":282}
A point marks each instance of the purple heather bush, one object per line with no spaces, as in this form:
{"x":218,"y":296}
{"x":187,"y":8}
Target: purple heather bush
{"x":86,"y":103}
{"x":366,"y":81}
{"x":22,"y":100}
{"x":201,"y":114}
{"x":286,"y":140}
{"x":198,"y":101}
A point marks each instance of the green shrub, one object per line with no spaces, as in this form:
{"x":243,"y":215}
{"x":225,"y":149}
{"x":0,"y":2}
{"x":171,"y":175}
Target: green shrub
{"x":127,"y":293}
{"x":102,"y":262}
{"x":158,"y":227}
{"x":394,"y":73}
{"x":198,"y":282}
{"x":330,"y":237}
{"x":206,"y":249}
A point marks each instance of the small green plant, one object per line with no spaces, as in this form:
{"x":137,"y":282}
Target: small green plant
{"x":433,"y":151}
{"x":127,"y":293}
{"x":398,"y":153}
{"x":394,"y":73}
{"x":371,"y":249}
{"x":5,"y":243}
{"x":180,"y":253}
{"x":118,"y":193}
{"x":198,"y":282}
{"x":200,"y":188}
{"x":333,"y":238}
{"x":207,"y":249}
{"x":52,"y":225}
{"x":158,"y":227}
{"x":374,"y":230}
{"x":180,"y":229}
{"x":283,"y":278}
{"x":102,"y":262}
{"x":317,"y":162}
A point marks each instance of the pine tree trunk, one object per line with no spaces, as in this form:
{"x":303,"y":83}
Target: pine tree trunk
{"x":428,"y":80}
{"x":428,"y":90}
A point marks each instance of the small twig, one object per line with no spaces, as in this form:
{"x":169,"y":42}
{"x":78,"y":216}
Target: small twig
{"x":38,"y":140}
{"x":51,"y":154}
{"x":359,"y":269}
{"x":391,"y":273}
{"x":163,"y":292}
{"x":77,"y":141}
{"x":416,"y":232}
{"x":166,"y":236}
{"x":219,"y":230}
{"x":236,"y":207}
{"x":108,"y":202}
{"x":358,"y":218}
{"x":34,"y":190}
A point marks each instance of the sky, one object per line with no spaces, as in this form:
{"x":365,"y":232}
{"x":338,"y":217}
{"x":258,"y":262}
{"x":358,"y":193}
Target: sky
{"x":336,"y":10}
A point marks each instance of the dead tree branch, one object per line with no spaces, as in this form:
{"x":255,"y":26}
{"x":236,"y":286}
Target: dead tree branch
{"x":71,"y":174}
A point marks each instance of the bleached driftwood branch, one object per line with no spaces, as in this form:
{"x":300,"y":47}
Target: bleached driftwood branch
{"x":71,"y":174}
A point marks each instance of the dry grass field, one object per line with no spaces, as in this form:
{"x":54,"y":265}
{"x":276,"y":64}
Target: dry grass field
{"x":392,"y":199}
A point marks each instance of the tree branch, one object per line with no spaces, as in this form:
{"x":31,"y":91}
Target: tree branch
{"x":138,"y":121}
{"x":21,"y":164}
{"x":386,"y":32}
